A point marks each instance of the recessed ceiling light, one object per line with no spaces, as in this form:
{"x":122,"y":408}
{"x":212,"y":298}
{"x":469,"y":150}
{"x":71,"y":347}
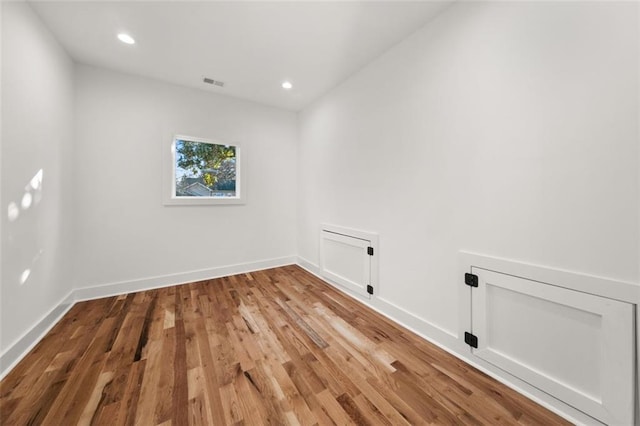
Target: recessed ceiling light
{"x":126,"y":38}
{"x":287,"y":85}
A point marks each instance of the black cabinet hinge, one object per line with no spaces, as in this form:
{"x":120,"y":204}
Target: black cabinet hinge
{"x":370,"y":251}
{"x":471,"y":279}
{"x":470,"y":339}
{"x":370,"y":289}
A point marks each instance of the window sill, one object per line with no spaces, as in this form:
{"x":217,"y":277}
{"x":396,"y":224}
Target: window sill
{"x":203,"y":201}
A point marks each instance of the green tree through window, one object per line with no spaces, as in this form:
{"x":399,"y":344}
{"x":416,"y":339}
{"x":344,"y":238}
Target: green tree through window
{"x":205,"y":169}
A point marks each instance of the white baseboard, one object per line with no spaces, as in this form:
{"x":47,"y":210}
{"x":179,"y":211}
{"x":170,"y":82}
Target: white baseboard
{"x":449,"y":342}
{"x":431,"y":332}
{"x":124,"y":287}
{"x":414,"y":322}
{"x":309,"y":267}
{"x":23,"y":345}
{"x":440,"y":337}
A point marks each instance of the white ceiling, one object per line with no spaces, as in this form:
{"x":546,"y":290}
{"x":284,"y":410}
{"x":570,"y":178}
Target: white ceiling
{"x":251,"y":46}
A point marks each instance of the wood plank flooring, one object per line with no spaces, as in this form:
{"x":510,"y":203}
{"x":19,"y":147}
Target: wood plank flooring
{"x":272,"y":347}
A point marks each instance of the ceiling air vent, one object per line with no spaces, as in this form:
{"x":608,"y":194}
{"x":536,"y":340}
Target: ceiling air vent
{"x":214,"y":82}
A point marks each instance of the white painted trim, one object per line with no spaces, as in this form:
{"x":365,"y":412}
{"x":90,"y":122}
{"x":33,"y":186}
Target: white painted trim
{"x":310,"y":267}
{"x":350,"y":232}
{"x":392,"y":311}
{"x":448,"y":341}
{"x":23,"y":345}
{"x":30,"y":338}
{"x":370,"y":236}
{"x":150,"y":283}
{"x":609,"y":397}
{"x":623,"y":291}
{"x":169,"y":176}
{"x":405,"y":317}
{"x":462,"y":352}
{"x":430,"y":332}
{"x":332,"y":270}
{"x":316,"y":270}
{"x":464,"y":299}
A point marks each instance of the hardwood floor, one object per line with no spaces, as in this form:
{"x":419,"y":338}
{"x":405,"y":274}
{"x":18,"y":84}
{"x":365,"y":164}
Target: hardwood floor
{"x":271,"y":347}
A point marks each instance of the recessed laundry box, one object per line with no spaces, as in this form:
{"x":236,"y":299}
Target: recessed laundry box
{"x":348,"y":258}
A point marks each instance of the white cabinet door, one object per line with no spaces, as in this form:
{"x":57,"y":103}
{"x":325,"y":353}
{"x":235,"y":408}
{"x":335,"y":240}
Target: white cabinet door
{"x":344,"y":260}
{"x":575,"y":346}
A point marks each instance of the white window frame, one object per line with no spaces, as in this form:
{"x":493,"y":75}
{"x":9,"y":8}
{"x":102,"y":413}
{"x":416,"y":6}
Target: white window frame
{"x":169,"y":187}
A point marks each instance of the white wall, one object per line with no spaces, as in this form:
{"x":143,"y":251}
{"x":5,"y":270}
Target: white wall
{"x":504,"y":128}
{"x":123,"y":231}
{"x":37,"y":133}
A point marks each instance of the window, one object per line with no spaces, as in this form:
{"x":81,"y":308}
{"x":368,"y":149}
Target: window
{"x":203,"y":172}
